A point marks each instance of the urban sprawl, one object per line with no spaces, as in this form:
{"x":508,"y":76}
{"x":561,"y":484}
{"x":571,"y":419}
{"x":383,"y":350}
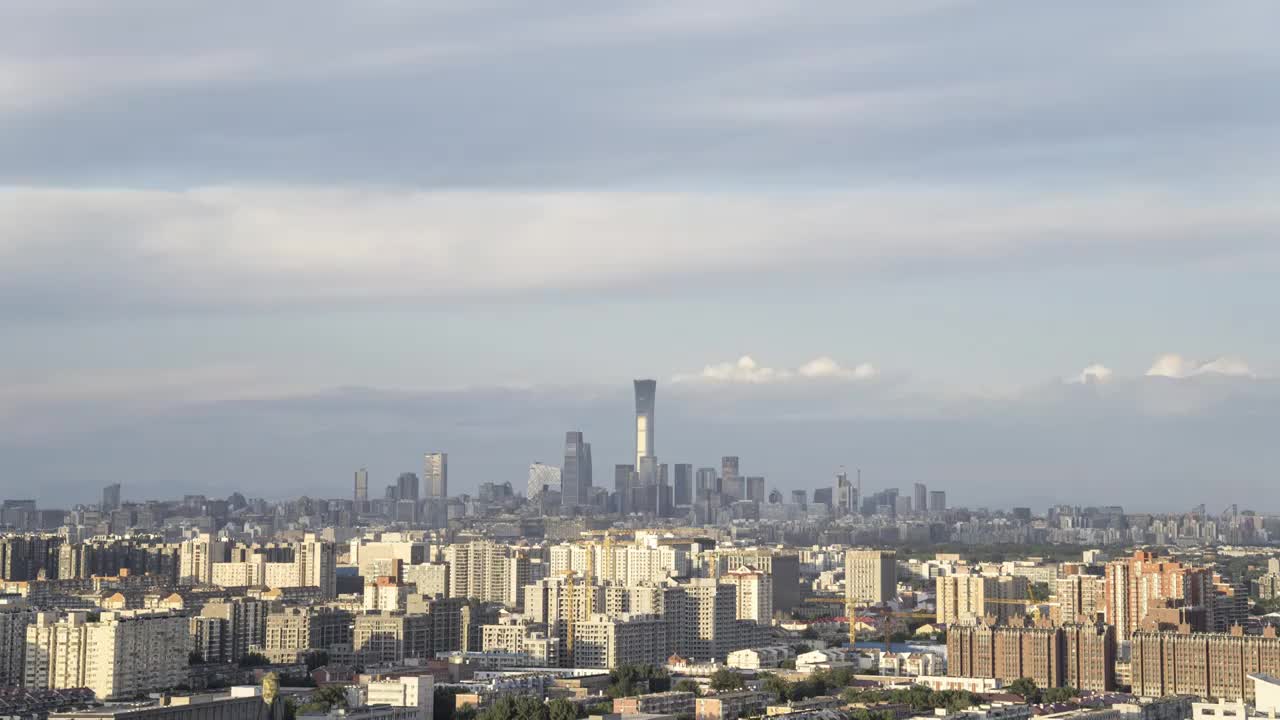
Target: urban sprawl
{"x":668,"y":593}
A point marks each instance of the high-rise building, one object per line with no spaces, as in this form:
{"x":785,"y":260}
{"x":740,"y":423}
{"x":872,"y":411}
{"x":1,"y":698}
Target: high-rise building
{"x":435,"y":475}
{"x":120,"y":655}
{"x":646,"y":394}
{"x":1215,"y":666}
{"x":823,"y":496}
{"x":1081,"y":598}
{"x":799,"y":498}
{"x":407,"y":487}
{"x":730,"y":480}
{"x":361,"y":492}
{"x":196,"y":558}
{"x":1138,"y":584}
{"x":575,"y":474}
{"x":1081,"y":656}
{"x":15,"y":616}
{"x":920,"y":498}
{"x":846,"y":498}
{"x":963,"y":598}
{"x":755,"y":593}
{"x":870,"y":576}
{"x":683,"y":484}
{"x":937,"y":500}
{"x":610,"y":641}
{"x":702,"y":615}
{"x":755,"y":488}
{"x":622,"y":481}
{"x":316,"y":563}
{"x":479,"y":569}
{"x":645,"y":496}
{"x":543,"y":478}
{"x":705,"y":481}
{"x":111,"y":497}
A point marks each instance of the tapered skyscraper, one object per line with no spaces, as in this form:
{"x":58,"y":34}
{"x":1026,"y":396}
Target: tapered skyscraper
{"x":646,"y":390}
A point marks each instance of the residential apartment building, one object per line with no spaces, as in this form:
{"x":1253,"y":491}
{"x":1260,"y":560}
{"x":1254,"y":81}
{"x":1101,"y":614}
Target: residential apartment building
{"x":478,"y":569}
{"x":755,"y":593}
{"x":962,"y":598}
{"x":870,"y":576}
{"x":1208,"y":665}
{"x":604,"y":641}
{"x":1142,"y":582}
{"x":120,"y":655}
{"x":1081,"y":656}
{"x":15,"y":615}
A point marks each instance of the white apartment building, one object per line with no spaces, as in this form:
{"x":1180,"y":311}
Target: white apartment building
{"x":196,"y":557}
{"x":478,"y":569}
{"x":755,"y":593}
{"x":15,"y":616}
{"x":870,"y":576}
{"x":121,"y":655}
{"x":603,"y":641}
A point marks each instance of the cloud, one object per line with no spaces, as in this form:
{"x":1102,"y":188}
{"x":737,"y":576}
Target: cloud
{"x":241,"y":245}
{"x":1172,"y":365}
{"x":746,"y":370}
{"x":1096,"y":373}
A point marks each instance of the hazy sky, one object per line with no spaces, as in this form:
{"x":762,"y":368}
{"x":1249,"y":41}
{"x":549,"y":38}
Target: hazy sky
{"x":925,"y":223}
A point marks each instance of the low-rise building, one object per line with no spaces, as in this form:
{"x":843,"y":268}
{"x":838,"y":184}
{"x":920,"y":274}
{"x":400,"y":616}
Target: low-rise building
{"x":663,"y":703}
{"x":731,"y":705}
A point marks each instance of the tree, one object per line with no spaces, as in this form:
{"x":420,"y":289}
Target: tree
{"x":726,"y":679}
{"x":690,"y":686}
{"x":513,"y":707}
{"x":626,"y":680}
{"x":1026,"y":687}
{"x":331,"y":695}
{"x":561,"y":709}
{"x":254,"y":660}
{"x":775,"y":684}
{"x":195,"y":658}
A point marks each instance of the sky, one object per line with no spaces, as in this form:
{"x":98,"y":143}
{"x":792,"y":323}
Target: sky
{"x":1024,"y":252}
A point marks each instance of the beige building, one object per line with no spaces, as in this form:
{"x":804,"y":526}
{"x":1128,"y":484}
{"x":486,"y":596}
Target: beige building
{"x":196,"y":557}
{"x":961,"y":598}
{"x":1080,"y":597}
{"x":870,"y":576}
{"x":478,"y":569}
{"x":731,"y":705}
{"x":415,"y":691}
{"x":603,"y":641}
{"x":430,"y":579}
{"x":120,"y":655}
{"x":755,"y":593}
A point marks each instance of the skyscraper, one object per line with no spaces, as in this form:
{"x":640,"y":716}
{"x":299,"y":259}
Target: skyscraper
{"x":646,"y":392}
{"x":937,"y":500}
{"x":111,"y":497}
{"x":683,"y":484}
{"x":435,"y":475}
{"x":622,"y":475}
{"x":575,"y":474}
{"x":921,"y":498}
{"x":407,"y":487}
{"x":755,"y":488}
{"x":361,"y":494}
{"x":730,"y":481}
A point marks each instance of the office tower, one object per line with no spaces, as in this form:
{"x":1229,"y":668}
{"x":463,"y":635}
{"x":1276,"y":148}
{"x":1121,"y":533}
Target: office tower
{"x":755,"y":488}
{"x":920,"y":499}
{"x":902,"y":505}
{"x":644,"y":495}
{"x":646,"y":392}
{"x":799,"y":498}
{"x":870,"y":576}
{"x":1215,"y":666}
{"x":622,"y":475}
{"x":407,"y":487}
{"x":845,"y":498}
{"x":730,"y":481}
{"x":435,"y":475}
{"x":361,"y":493}
{"x":822,"y":496}
{"x":1137,"y":585}
{"x":705,"y":481}
{"x":683,"y":485}
{"x":543,"y":478}
{"x":962,"y":598}
{"x":575,"y":474}
{"x":111,"y":497}
{"x":937,"y":500}
{"x":118,"y":656}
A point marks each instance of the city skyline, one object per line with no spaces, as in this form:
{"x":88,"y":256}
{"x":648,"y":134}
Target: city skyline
{"x":1021,"y":247}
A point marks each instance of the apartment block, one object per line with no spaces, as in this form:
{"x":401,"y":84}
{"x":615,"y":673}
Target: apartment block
{"x":1208,"y":665}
